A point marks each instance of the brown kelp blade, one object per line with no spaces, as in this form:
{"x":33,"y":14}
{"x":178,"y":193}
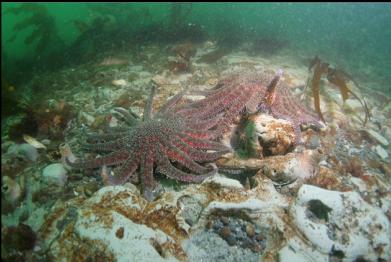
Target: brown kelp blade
{"x":319,"y":69}
{"x":337,"y":78}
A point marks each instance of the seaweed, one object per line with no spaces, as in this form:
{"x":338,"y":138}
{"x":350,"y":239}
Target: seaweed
{"x":336,"y":77}
{"x":44,"y":32}
{"x":319,"y":209}
{"x":339,"y":78}
{"x":92,"y":38}
{"x":319,"y":70}
{"x":245,"y":140}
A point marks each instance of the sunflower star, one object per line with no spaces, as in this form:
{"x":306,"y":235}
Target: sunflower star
{"x":281,"y":103}
{"x":154,"y":143}
{"x":227,"y":100}
{"x":250,"y":93}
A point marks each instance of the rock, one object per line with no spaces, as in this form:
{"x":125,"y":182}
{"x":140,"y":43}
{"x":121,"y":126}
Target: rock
{"x":319,"y":214}
{"x":46,"y":142}
{"x":29,"y":151}
{"x":277,"y":135}
{"x":97,"y":224}
{"x":55,"y":174}
{"x":250,"y":230}
{"x":120,"y":82}
{"x":208,"y":246}
{"x":20,"y":238}
{"x":10,"y":190}
{"x":86,"y":118}
{"x":24,"y":150}
{"x":297,"y":251}
{"x":135,"y":242}
{"x":381,"y":152}
{"x":191,"y":209}
{"x":353,"y":105}
{"x":290,"y":167}
{"x":313,"y":142}
{"x":379,"y":138}
{"x":223,"y":182}
{"x":225,"y":232}
{"x":136,"y":68}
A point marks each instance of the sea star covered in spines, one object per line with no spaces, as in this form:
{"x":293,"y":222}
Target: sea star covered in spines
{"x":281,"y":103}
{"x":227,"y":100}
{"x":250,"y":92}
{"x":156,"y":142}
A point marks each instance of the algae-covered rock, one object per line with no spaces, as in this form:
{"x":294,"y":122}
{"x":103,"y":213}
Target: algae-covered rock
{"x":55,"y":174}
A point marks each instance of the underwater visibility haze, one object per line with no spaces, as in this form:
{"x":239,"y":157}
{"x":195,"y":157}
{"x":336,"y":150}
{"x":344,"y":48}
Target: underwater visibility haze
{"x":196,"y":132}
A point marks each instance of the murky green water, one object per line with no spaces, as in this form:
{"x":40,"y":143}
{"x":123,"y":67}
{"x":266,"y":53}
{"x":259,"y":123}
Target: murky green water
{"x":353,"y":36}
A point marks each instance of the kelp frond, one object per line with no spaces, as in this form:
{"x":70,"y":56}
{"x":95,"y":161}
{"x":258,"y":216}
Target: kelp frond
{"x":339,"y":78}
{"x":336,"y":77}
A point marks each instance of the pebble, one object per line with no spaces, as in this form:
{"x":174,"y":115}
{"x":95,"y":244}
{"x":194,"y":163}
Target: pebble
{"x":90,"y":188}
{"x":250,"y":230}
{"x":46,"y":142}
{"x":26,"y":150}
{"x":231,"y":240}
{"x":259,"y":237}
{"x":238,"y":232}
{"x":119,"y":82}
{"x":379,"y":138}
{"x":314,"y":142}
{"x":10,"y":190}
{"x":55,"y":174}
{"x":225,"y":232}
{"x":256,"y":247}
{"x":225,"y":220}
{"x":381,"y":152}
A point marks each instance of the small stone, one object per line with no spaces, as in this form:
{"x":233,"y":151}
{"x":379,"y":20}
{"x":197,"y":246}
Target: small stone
{"x":256,"y":248}
{"x":247,"y":243}
{"x":225,"y":220}
{"x":259,"y":237}
{"x":119,"y":82}
{"x":55,"y":174}
{"x":86,"y":118}
{"x":18,"y":238}
{"x":10,"y":190}
{"x":46,"y":142}
{"x":250,"y":230}
{"x":28,"y":151}
{"x":91,"y":188}
{"x":225,"y":232}
{"x":231,"y":240}
{"x":379,"y":138}
{"x":381,"y":152}
{"x":352,"y":105}
{"x":120,"y":232}
{"x":217,"y":225}
{"x":314,"y":142}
